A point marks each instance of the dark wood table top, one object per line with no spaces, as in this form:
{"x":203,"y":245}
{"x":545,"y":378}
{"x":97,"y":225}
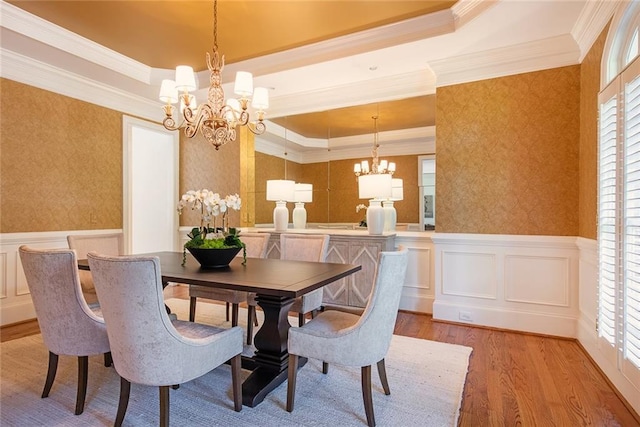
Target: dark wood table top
{"x":273,"y":277}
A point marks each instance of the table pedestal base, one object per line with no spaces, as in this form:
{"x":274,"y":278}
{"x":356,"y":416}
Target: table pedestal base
{"x":271,"y":358}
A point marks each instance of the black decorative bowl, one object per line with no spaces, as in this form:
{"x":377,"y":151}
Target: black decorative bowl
{"x":214,"y":258}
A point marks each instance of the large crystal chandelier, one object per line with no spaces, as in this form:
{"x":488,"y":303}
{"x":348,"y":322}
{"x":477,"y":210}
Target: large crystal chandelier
{"x":215,"y":119}
{"x":377,"y":166}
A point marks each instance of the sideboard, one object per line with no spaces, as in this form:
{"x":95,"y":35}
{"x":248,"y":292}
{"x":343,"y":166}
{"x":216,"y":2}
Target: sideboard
{"x":346,"y":247}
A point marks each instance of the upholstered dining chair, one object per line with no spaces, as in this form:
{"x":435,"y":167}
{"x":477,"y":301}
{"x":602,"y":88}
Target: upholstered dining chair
{"x":147,"y":346}
{"x":256,"y":247}
{"x":305,"y":247}
{"x":67,"y":324}
{"x":110,"y":244}
{"x":351,"y":340}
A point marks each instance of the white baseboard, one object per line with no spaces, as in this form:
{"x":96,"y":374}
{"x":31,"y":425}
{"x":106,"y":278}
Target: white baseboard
{"x":502,"y":318}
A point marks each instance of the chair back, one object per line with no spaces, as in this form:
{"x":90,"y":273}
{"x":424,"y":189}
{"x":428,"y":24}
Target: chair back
{"x":67,"y":324}
{"x":377,"y":322}
{"x":109,"y":244}
{"x":256,"y":244}
{"x":143,"y":340}
{"x":304,"y":247}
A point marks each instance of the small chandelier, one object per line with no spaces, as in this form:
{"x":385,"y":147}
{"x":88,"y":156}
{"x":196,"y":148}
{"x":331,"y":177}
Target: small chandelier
{"x":215,"y":119}
{"x":377,"y":166}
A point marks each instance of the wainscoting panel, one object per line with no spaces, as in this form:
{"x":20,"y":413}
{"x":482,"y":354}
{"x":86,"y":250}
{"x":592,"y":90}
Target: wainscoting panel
{"x":526,"y":283}
{"x":3,"y":274}
{"x":469,"y":274}
{"x":537,"y":280}
{"x":418,"y":292}
{"x":15,"y":303}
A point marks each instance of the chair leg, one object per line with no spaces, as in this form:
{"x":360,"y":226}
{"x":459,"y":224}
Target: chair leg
{"x":108,"y":360}
{"x":291,"y":381}
{"x":301,"y":319}
{"x":236,"y":366}
{"x":251,"y":315}
{"x":125,"y":389}
{"x":366,"y":395}
{"x":234,"y":314}
{"x":227,"y":312}
{"x":325,"y":368}
{"x":314,"y":313}
{"x":382,"y":372}
{"x":83,"y":370}
{"x":164,"y":406}
{"x":192,"y":309}
{"x":51,"y":374}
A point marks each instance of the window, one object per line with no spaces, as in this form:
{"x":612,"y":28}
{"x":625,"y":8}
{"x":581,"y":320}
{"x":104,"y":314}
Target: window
{"x":619,"y":198}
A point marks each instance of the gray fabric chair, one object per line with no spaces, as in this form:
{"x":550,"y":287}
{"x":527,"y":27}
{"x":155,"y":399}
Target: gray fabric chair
{"x":351,"y":340}
{"x":305,"y":247}
{"x":67,"y":324}
{"x":148,"y":348}
{"x":302,"y":247}
{"x":109,"y":244}
{"x":256,"y":247}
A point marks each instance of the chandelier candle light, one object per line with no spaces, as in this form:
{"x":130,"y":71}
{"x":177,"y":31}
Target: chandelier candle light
{"x":303,"y":194}
{"x":215,"y":119}
{"x":280,"y":191}
{"x":377,"y":166}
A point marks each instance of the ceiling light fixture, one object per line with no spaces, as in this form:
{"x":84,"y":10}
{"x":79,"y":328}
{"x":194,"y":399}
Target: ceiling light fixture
{"x":377,"y":166}
{"x":215,"y":119}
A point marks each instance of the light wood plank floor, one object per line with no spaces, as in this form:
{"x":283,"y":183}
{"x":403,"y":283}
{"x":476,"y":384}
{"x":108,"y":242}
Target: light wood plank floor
{"x":514,"y":379}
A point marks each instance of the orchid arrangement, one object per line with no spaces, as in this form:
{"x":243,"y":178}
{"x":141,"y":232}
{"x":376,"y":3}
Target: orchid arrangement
{"x":211,"y":206}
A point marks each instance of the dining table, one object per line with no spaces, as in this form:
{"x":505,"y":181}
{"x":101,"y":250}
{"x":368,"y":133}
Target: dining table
{"x":276,"y":284}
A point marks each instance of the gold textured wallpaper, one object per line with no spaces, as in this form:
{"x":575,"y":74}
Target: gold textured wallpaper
{"x":335,"y":190}
{"x":507,"y":154}
{"x":61,"y":162}
{"x":590,"y":87}
{"x":201,"y":166}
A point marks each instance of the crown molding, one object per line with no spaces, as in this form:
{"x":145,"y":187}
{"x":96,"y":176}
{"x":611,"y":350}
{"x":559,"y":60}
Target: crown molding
{"x":22,"y":22}
{"x":464,"y":11}
{"x":35,"y":73}
{"x":592,"y":20}
{"x":409,"y":30}
{"x":392,"y":143}
{"x":538,"y":55}
{"x":417,"y":83}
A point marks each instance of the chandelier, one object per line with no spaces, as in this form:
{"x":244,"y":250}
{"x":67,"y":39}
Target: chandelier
{"x":215,"y":119}
{"x":377,"y":166}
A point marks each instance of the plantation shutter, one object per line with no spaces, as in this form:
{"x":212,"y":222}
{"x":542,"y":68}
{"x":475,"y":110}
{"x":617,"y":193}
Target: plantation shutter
{"x":607,"y":236}
{"x":631,"y":290}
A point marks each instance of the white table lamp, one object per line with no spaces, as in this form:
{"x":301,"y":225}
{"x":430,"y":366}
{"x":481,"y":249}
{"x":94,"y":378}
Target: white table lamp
{"x":390,"y":214}
{"x":375,"y":187}
{"x":303,"y":194}
{"x":280,"y":191}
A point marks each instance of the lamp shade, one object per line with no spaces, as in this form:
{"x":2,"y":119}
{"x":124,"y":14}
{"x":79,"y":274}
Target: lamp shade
{"x":260,"y":98}
{"x":303,"y":193}
{"x":244,"y":84}
{"x":185,"y":79}
{"x":374,"y":186}
{"x":397,"y":192}
{"x":168,"y":92}
{"x":280,"y":189}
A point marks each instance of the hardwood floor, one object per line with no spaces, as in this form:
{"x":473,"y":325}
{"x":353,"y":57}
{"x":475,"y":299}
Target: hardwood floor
{"x":514,"y":379}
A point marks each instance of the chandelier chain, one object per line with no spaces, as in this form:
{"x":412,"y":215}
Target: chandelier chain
{"x":215,"y":25}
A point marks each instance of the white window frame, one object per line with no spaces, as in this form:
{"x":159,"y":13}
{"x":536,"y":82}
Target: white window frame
{"x":618,"y":241}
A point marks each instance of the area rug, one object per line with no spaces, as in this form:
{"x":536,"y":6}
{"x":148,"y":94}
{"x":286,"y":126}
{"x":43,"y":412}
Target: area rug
{"x":426,"y":379}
